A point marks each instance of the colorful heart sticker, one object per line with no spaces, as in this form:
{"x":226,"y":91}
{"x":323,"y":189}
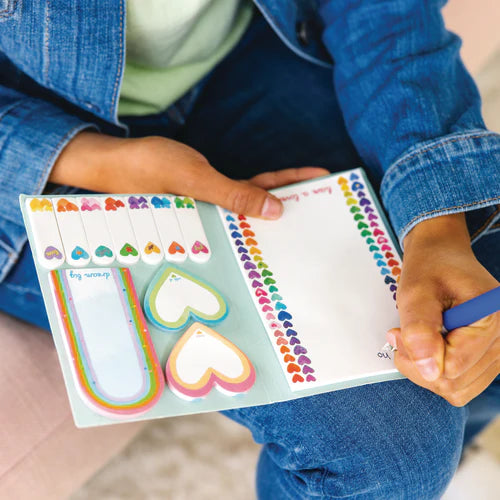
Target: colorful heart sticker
{"x":90,"y":204}
{"x":158,"y":202}
{"x":63,"y":205}
{"x":79,"y":253}
{"x":110,"y":204}
{"x":40,"y":205}
{"x":151,"y":248}
{"x":128,"y":249}
{"x":203,"y":359}
{"x":175,"y":248}
{"x":174,"y":296}
{"x":198,"y":247}
{"x":52,"y":252}
{"x":103,"y":251}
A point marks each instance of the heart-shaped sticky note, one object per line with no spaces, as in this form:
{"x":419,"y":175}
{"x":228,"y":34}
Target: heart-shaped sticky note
{"x":52,"y":253}
{"x":173,"y":297}
{"x":203,"y":359}
{"x":151,"y":248}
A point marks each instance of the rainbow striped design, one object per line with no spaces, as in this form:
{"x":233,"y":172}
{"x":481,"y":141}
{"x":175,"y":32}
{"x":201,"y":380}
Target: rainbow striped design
{"x":85,"y":369}
{"x":372,"y":229}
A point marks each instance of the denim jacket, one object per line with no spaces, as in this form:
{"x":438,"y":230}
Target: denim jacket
{"x":410,"y":106}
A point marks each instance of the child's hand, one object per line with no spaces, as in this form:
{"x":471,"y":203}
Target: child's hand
{"x":158,"y":165}
{"x":439,"y":272}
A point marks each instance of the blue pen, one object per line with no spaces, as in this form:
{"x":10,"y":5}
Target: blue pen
{"x":469,"y":312}
{"x":472,"y":310}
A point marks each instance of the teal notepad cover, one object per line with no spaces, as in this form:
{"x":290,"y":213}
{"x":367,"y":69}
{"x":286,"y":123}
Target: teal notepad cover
{"x":244,"y":323}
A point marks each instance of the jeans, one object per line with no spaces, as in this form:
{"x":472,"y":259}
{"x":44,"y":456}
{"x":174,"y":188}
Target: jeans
{"x":383,"y":441}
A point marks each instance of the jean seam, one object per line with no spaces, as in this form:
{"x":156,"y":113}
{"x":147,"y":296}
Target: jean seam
{"x":437,"y":144}
{"x":120,"y":61}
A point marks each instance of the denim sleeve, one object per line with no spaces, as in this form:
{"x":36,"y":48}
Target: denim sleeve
{"x":411,"y":108}
{"x":32,"y":134}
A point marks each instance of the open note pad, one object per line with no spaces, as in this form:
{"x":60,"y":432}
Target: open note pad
{"x":171,"y":306}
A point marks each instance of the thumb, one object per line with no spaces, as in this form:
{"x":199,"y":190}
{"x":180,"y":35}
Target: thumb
{"x":239,"y":197}
{"x":421,"y":324}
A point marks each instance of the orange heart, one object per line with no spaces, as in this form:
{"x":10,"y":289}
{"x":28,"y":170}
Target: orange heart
{"x":342,"y":180}
{"x":250,"y":242}
{"x":297,"y":378}
{"x":284,"y":349}
{"x":63,"y":205}
{"x":292,"y":367}
{"x":151,"y":247}
{"x":396,"y":271}
{"x":175,"y":248}
{"x":247,"y":232}
{"x":288,"y":358}
{"x":243,"y":225}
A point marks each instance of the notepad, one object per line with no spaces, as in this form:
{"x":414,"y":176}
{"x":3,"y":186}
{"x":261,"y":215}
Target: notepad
{"x":161,"y":305}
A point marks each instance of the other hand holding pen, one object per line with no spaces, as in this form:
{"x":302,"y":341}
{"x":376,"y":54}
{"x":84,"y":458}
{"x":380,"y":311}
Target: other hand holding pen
{"x":440,"y":271}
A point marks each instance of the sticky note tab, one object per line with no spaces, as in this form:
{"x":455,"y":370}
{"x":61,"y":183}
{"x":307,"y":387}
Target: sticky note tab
{"x":120,"y":227}
{"x":48,"y":245}
{"x":98,"y":236}
{"x":192,"y":229}
{"x":168,"y":228}
{"x":203,"y":359}
{"x":72,"y":232}
{"x":145,"y":230}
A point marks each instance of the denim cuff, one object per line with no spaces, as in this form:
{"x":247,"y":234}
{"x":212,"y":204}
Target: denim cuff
{"x":456,"y":173}
{"x":32,"y":135}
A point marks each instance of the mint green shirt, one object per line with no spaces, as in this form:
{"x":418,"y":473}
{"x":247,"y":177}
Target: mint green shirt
{"x":172,"y":44}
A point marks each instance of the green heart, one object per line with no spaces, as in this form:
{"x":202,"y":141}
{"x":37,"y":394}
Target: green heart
{"x":355,"y":209}
{"x":370,"y":241}
{"x":269,"y":281}
{"x":272,"y":289}
{"x":266,"y":273}
{"x":128,"y":249}
{"x":261,"y":264}
{"x":374,"y":248}
{"x":179,"y":202}
{"x":358,"y":217}
{"x":276,"y":296}
{"x":362,"y":225}
{"x":365,"y":232}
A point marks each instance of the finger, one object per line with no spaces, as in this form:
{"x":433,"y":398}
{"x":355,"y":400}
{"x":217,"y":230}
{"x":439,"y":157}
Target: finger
{"x":421,"y":323}
{"x":467,"y":345}
{"x":239,"y":197}
{"x":480,"y":384}
{"x":270,"y":180}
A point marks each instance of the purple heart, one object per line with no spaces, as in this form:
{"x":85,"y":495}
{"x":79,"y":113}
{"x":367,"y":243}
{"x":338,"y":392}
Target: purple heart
{"x":242,"y":250}
{"x":244,"y":257}
{"x":238,"y":243}
{"x":303,"y":360}
{"x":361,"y":194}
{"x":249,"y":265}
{"x":369,"y":210}
{"x":256,"y":284}
{"x":287,"y":324}
{"x":300,"y":350}
{"x":373,"y":224}
{"x":142,"y":200}
{"x":291,"y":333}
{"x":393,"y":288}
{"x":52,"y":253}
{"x":372,"y":217}
{"x":307,"y":369}
{"x":253,"y":274}
{"x":394,"y":296}
{"x":311,"y":378}
{"x":365,"y":201}
{"x":294,"y":340}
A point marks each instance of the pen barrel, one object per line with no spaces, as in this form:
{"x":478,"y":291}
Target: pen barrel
{"x":472,"y":310}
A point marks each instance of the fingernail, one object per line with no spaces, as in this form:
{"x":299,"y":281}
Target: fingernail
{"x":391,"y":338}
{"x":428,"y":368}
{"x":272,"y":208}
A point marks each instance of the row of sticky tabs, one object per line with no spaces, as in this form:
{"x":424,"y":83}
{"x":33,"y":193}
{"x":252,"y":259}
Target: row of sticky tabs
{"x":126,"y":228}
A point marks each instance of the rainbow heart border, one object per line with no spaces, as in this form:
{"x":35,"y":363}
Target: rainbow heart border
{"x":372,"y":230}
{"x":292,"y":354}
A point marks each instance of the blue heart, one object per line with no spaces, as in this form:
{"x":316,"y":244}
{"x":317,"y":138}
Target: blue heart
{"x":378,"y":256}
{"x":353,"y":177}
{"x":229,"y":218}
{"x":291,"y":333}
{"x":235,"y":234}
{"x":284,"y":315}
{"x":388,"y":280}
{"x":233,"y":226}
{"x":287,"y":324}
{"x":384,"y":270}
{"x":279,"y":306}
{"x":79,"y":253}
{"x":380,"y":263}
